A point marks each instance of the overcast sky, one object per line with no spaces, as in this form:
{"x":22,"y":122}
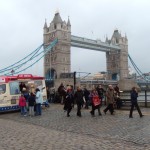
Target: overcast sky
{"x":22,"y":21}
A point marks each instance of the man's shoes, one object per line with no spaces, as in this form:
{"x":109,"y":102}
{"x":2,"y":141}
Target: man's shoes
{"x":130,"y":117}
{"x":141,"y":116}
{"x":68,"y":115}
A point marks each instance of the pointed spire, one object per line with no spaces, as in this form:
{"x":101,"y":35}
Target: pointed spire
{"x":106,"y":39}
{"x":57,"y":18}
{"x":125,"y":35}
{"x":45,"y":25}
{"x":68,"y":23}
{"x":116,"y":34}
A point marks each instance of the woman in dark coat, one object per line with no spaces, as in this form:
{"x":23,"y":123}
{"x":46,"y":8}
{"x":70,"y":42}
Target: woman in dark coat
{"x":69,"y":100}
{"x":31,"y":102}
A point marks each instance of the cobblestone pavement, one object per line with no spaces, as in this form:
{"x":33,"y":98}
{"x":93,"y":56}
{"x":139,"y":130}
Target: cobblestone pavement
{"x":54,"y":131}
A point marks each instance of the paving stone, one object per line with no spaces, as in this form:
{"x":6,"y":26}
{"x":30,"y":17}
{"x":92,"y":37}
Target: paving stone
{"x":54,"y":131}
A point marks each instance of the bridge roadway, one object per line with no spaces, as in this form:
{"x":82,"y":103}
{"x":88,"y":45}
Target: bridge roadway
{"x":98,"y":45}
{"x":54,"y":131}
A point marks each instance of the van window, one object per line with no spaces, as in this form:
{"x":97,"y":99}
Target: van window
{"x":14,"y":88}
{"x":2,"y":88}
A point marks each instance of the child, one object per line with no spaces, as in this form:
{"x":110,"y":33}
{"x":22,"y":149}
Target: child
{"x":22,"y":104}
{"x":31,"y":102}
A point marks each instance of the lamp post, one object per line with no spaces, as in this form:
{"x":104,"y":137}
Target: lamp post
{"x":74,"y":80}
{"x":12,"y":72}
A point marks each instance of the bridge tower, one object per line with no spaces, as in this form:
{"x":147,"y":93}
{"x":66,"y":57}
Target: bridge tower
{"x":117,"y":61}
{"x":58,"y":60}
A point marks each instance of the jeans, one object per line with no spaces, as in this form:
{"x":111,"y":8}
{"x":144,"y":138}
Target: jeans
{"x":31,"y":110}
{"x":38,"y":109}
{"x":135,"y":104}
{"x":23,"y":110}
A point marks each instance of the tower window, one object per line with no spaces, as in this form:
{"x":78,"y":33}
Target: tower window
{"x":117,"y":41}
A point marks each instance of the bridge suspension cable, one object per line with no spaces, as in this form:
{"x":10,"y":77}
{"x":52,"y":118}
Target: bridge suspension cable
{"x":15,"y":64}
{"x":137,"y":69}
{"x":35,"y":56}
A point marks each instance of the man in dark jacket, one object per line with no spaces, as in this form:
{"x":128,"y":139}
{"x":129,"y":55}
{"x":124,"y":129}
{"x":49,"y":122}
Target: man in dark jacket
{"x":86,"y":96}
{"x":62,"y":93}
{"x":79,"y":100}
{"x":134,"y":95}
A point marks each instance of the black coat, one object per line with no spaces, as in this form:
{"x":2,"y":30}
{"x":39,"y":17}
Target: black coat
{"x":79,"y":97}
{"x":134,"y":96}
{"x":69,"y":100}
{"x":31,"y":100}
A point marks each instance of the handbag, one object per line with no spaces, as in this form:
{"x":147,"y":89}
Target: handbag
{"x":96,"y":100}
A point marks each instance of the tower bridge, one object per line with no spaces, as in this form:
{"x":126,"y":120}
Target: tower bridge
{"x":58,"y":60}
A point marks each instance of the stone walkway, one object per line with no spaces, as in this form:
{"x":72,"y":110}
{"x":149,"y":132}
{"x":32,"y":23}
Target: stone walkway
{"x":54,"y":131}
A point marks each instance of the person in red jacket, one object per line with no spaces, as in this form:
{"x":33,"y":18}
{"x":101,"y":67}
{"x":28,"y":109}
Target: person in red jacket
{"x":22,"y":104}
{"x":95,"y":101}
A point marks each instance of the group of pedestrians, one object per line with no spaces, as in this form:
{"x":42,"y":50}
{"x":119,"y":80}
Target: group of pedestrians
{"x":30,"y":101}
{"x":94,"y":98}
{"x":82,"y":98}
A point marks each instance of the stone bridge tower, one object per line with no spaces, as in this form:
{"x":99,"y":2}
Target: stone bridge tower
{"x":58,"y":60}
{"x":117,"y":61}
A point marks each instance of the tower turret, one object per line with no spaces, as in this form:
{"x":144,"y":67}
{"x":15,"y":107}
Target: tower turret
{"x":45,"y":28}
{"x":115,"y":37}
{"x":69,"y":24}
{"x":57,"y":21}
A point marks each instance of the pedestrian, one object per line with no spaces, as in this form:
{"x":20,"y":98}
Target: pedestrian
{"x":101,"y":92}
{"x":110,"y":100}
{"x":86,"y":96}
{"x":134,"y":103}
{"x":62,"y":93}
{"x":69,"y":100}
{"x":95,"y":101}
{"x":52,"y":94}
{"x":79,"y":100}
{"x":39,"y":101}
{"x":26,"y":96}
{"x":117,"y":97}
{"x":22,"y":104}
{"x":48,"y":94}
{"x":31,"y":102}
